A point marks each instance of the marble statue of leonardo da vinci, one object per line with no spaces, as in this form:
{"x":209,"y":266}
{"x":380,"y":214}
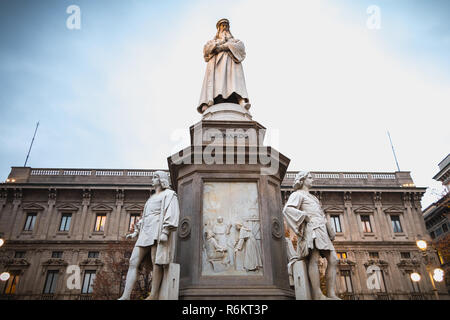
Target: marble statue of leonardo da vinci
{"x":224,"y":78}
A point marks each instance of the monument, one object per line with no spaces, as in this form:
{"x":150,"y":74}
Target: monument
{"x":231,"y":238}
{"x":305,"y":216}
{"x":156,"y":233}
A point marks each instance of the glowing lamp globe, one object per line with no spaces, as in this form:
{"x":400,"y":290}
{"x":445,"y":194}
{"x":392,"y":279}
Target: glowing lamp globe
{"x":415,"y":277}
{"x":4,"y":276}
{"x":421,"y":244}
{"x":438,"y":274}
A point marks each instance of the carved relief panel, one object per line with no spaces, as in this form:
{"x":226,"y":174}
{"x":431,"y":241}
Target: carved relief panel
{"x":231,"y":243}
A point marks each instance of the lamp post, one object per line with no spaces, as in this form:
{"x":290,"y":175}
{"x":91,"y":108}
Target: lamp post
{"x":436,"y":274}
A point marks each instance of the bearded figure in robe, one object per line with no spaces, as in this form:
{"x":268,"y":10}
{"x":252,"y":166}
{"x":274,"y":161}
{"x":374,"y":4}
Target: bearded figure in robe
{"x":224,"y":78}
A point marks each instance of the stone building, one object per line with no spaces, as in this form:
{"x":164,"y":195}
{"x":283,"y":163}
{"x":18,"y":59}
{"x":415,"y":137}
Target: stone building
{"x":436,"y":217}
{"x":53,"y":219}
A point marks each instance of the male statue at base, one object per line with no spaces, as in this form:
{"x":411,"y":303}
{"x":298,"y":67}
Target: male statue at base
{"x":304,"y":215}
{"x":156,"y":235}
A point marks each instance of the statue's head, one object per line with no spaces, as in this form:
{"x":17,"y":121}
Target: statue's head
{"x":219,"y":219}
{"x":223,"y":29}
{"x":161,"y":178}
{"x":303,"y":178}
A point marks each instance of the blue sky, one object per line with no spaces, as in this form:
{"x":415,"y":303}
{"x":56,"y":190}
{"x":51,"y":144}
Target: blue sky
{"x":121,"y":92}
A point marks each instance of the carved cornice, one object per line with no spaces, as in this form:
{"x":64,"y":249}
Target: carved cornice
{"x":91,"y":262}
{"x":67,"y":207}
{"x":377,"y":262}
{"x":55,"y":262}
{"x":33,"y":207}
{"x":101,"y":207}
{"x":394,"y":209}
{"x":334,"y":209}
{"x":364,"y":210}
{"x":17,"y":262}
{"x":408,"y":264}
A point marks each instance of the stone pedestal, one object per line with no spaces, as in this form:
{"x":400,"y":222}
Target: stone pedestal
{"x":228,"y":186}
{"x":301,"y":281}
{"x":170,"y":283}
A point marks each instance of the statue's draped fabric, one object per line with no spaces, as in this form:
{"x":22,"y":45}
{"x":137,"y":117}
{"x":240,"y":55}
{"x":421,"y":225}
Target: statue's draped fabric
{"x":224,"y":73}
{"x":161,"y":214}
{"x":312,"y":234}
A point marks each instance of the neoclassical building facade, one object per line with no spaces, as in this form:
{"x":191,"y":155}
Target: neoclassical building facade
{"x":53,"y":220}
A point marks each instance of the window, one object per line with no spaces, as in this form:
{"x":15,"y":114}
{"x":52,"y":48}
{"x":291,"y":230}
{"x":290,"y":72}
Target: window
{"x":133,"y":219}
{"x":93,"y":254}
{"x":346,"y":281}
{"x":445,"y":227}
{"x":342,"y":255}
{"x":380,"y":278}
{"x":438,"y":231}
{"x":11,"y":284}
{"x":50,"y":281}
{"x":29,"y":223}
{"x":432,"y":235}
{"x":405,"y":255}
{"x":100,"y":223}
{"x":65,"y":222}
{"x":374,"y":255}
{"x":336,"y":223}
{"x":413,"y":285}
{"x":396,"y":226}
{"x":365,"y":220}
{"x":89,"y":277}
{"x":19,"y":254}
{"x":57,"y":254}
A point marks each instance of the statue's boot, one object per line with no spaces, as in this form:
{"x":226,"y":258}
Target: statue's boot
{"x":244,"y":104}
{"x":334,"y":297}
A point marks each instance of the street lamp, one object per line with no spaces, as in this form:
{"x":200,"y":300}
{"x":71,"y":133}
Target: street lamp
{"x":438,"y":274}
{"x":4,"y":276}
{"x":415,"y":277}
{"x":1,"y":242}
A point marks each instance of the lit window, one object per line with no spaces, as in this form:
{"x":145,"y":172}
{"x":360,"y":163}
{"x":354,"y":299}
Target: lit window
{"x":365,"y":220}
{"x":65,"y":222}
{"x":29,"y":223}
{"x":413,"y":285}
{"x":93,"y":254}
{"x":11,"y":284}
{"x":396,"y":226}
{"x":50,"y":281}
{"x":133,"y":219}
{"x":19,"y":254}
{"x":346,"y":281}
{"x":380,"y":277}
{"x":342,"y":255}
{"x":336,"y":223}
{"x":89,"y":277}
{"x":405,"y":255}
{"x":57,"y":254}
{"x":374,"y":255}
{"x":100,"y":222}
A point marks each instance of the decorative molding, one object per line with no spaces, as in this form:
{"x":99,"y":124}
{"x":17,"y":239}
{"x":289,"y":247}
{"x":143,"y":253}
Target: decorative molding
{"x":55,"y":262}
{"x":364,"y":210}
{"x":33,"y":206}
{"x":134,"y":207}
{"x":91,"y":262}
{"x":101,"y":207}
{"x":334,"y":209}
{"x":87,"y":195}
{"x":51,"y":194}
{"x":15,"y":262}
{"x":394,"y":209}
{"x":347,"y":197}
{"x":277,"y":229}
{"x":184,"y":229}
{"x":377,"y":197}
{"x":67,"y":207}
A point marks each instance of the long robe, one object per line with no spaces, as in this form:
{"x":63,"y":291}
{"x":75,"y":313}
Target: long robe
{"x":224,"y":73}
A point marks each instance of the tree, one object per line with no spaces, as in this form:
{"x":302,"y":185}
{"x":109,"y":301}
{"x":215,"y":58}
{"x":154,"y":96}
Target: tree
{"x":110,"y":280}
